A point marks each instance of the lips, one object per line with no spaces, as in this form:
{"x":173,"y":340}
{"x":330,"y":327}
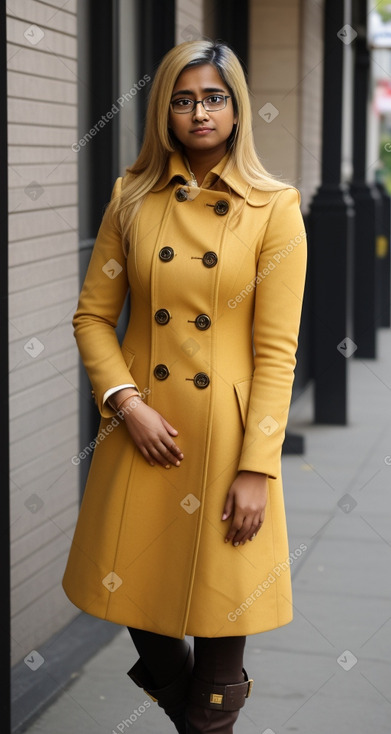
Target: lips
{"x":202,"y":130}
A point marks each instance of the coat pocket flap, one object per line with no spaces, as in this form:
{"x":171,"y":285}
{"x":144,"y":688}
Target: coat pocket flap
{"x":128,"y":356}
{"x":243,"y":390}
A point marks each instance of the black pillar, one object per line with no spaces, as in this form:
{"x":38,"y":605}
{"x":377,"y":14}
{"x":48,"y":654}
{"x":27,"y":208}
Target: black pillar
{"x":103,"y":93}
{"x":231,"y":25}
{"x":383,"y":260}
{"x":97,"y":160}
{"x":330,"y":230}
{"x":366,"y":198}
{"x":156,"y":29}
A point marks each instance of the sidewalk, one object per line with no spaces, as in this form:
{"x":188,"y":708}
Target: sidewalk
{"x":329,"y":669}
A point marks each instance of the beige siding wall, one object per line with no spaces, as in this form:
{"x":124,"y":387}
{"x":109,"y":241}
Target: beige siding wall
{"x":43,"y":258}
{"x":285,"y":68}
{"x":274,"y":75}
{"x":189,"y":20}
{"x":311,"y":84}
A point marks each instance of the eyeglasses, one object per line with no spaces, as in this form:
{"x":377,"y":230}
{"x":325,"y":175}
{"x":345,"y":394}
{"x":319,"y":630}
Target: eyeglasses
{"x":213,"y":103}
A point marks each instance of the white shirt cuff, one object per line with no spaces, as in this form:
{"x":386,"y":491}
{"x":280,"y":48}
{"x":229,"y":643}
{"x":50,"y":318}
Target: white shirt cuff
{"x":112,"y":390}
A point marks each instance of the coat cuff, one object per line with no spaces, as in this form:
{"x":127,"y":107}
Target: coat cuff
{"x":100,"y":397}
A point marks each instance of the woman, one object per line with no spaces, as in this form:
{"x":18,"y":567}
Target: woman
{"x":182,"y":528}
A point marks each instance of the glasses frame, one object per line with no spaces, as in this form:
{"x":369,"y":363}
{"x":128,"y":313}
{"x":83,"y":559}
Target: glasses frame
{"x":200,"y":101}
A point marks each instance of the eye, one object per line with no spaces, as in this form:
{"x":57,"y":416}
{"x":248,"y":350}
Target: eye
{"x":182,"y":102}
{"x":214,"y":99}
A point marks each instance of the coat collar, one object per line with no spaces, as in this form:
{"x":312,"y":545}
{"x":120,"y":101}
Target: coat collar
{"x":176,"y":168}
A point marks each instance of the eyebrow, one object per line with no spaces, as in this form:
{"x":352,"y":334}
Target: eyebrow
{"x":190,"y":91}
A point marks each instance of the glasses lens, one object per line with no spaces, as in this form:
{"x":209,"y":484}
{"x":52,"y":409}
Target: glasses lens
{"x":214,"y":102}
{"x":182,"y":105}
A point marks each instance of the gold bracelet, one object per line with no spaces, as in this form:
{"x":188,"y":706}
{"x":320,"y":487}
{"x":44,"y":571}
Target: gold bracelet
{"x":129,"y":397}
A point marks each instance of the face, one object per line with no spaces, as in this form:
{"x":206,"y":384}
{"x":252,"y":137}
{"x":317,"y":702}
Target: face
{"x":201,"y":130}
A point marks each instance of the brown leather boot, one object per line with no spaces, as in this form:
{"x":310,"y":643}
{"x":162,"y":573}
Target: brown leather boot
{"x":171,"y":698}
{"x":214,"y":708}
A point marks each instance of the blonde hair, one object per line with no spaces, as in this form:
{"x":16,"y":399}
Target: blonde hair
{"x":159,"y":143}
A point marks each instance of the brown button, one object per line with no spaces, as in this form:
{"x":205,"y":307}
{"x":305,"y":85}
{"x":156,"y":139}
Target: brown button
{"x":203,"y":322}
{"x":210,"y":259}
{"x":201,"y":380}
{"x":162,"y":316}
{"x":166,"y":254}
{"x":221,"y":207}
{"x":181,"y":195}
{"x":161,"y":372}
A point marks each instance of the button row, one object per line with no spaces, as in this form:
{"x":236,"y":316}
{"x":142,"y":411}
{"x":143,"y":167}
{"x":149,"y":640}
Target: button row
{"x":210,"y":258}
{"x":221,"y":207}
{"x":202,"y":321}
{"x":201,"y":379}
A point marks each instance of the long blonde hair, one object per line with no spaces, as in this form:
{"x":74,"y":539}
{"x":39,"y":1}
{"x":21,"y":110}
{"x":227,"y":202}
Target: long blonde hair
{"x":159,"y":143}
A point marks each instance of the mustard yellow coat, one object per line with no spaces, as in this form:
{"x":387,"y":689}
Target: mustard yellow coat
{"x":216,"y":277}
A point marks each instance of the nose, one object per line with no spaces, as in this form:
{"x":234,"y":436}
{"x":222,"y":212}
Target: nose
{"x":199,"y":112}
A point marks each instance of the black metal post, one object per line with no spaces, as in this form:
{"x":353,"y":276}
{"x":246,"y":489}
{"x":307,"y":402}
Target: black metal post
{"x":383,"y":260}
{"x":97,"y":161}
{"x":156,"y":30}
{"x":331,"y":220}
{"x":231,"y":25}
{"x":103,"y":94}
{"x":366,"y":198}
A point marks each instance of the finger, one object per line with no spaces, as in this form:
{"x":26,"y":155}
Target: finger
{"x":169,"y":442}
{"x":171,"y":451}
{"x":236,"y":524}
{"x":253,"y":532}
{"x":162,"y":455}
{"x":147,"y":456}
{"x":256,"y":531}
{"x":171,"y":430}
{"x":244,"y":533}
{"x":228,"y":507}
{"x":175,"y":450}
{"x":248,"y":530}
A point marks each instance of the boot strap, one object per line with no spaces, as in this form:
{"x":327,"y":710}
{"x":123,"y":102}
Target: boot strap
{"x":139,"y":675}
{"x":170,"y":693}
{"x":230,"y":697}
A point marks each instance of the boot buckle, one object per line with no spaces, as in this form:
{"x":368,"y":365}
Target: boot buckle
{"x":216,"y":698}
{"x":150,"y":695}
{"x":250,"y":687}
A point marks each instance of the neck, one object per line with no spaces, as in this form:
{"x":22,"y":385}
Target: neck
{"x":202,"y":161}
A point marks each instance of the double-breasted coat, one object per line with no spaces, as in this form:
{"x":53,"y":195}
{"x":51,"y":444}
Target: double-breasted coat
{"x":216,"y":277}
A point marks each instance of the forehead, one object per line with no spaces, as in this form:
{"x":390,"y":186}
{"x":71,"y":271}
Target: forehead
{"x":201,"y":77}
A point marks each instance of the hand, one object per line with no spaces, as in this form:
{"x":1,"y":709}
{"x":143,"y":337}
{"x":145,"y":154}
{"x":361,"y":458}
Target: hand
{"x":151,"y":433}
{"x":245,"y":503}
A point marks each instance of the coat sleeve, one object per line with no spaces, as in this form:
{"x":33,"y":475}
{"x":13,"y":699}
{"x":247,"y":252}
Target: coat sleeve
{"x":277,"y":312}
{"x":100,"y":304}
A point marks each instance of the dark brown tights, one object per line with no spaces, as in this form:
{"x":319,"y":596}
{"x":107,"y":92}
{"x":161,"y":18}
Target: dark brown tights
{"x":216,"y":659}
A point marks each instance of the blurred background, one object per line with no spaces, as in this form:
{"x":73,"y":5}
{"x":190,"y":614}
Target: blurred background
{"x":76,"y":77}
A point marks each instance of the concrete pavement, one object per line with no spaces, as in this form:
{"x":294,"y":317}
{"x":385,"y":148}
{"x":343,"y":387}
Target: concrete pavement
{"x":329,"y":669}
